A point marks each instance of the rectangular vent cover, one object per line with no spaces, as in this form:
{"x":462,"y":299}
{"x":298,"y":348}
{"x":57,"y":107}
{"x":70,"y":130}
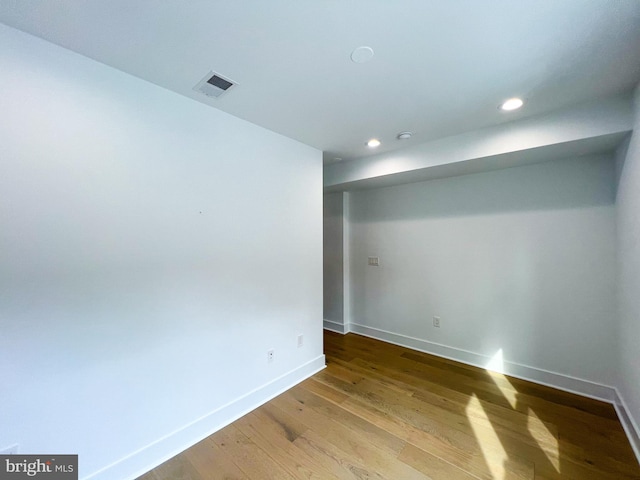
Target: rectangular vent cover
{"x":214,"y":85}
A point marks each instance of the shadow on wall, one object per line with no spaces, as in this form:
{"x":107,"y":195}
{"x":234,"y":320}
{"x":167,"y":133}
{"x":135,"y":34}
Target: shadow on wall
{"x":561,"y":184}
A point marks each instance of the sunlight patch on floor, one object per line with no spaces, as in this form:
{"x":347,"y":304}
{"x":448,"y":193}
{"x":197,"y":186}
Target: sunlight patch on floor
{"x":547,"y":441}
{"x":495,"y":368}
{"x":492,"y":449}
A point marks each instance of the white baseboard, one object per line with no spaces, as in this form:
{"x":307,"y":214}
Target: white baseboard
{"x":149,"y":457}
{"x":524,"y":372}
{"x":335,"y":326}
{"x":628,"y":423}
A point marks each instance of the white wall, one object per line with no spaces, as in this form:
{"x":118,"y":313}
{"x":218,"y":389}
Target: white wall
{"x":333,"y":260}
{"x":519,"y":260}
{"x":152,"y":249}
{"x":628,"y":274}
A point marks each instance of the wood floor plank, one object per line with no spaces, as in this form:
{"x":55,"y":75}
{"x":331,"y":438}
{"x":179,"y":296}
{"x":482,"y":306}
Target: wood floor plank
{"x":248,"y":456}
{"x":466,"y":459}
{"x":376,"y":435}
{"x":384,"y":412}
{"x":430,"y":465}
{"x":495,"y":386}
{"x":451,"y":445}
{"x":452,"y":400}
{"x":335,"y":460}
{"x":212,"y":463}
{"x":324,"y":391}
{"x":377,"y":452}
{"x":600,"y":433}
{"x":433,"y":418}
{"x":278,"y":444}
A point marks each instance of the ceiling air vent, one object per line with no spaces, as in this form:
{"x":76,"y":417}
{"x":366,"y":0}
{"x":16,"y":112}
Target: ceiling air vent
{"x":214,"y":85}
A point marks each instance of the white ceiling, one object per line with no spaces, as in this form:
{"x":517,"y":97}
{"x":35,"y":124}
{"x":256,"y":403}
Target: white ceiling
{"x":441,"y":67}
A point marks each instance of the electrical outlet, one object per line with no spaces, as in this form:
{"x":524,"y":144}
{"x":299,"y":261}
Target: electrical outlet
{"x":300,"y":340}
{"x":11,"y":450}
{"x":436,"y":322}
{"x":270,"y":355}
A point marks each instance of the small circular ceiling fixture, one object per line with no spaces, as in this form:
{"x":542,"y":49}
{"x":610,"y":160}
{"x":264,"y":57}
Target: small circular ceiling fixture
{"x":404,"y":135}
{"x":512,"y":104}
{"x":373,"y":143}
{"x":362,"y":54}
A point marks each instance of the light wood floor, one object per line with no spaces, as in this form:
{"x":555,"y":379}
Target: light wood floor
{"x":379,"y":411}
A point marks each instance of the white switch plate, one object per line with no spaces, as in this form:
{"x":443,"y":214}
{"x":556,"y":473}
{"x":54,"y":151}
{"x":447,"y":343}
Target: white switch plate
{"x":374,"y":261}
{"x":270,"y":356}
{"x":300,"y":340}
{"x":436,"y":322}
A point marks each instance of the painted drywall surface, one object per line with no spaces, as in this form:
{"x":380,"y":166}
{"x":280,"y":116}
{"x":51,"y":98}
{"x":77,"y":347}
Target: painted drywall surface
{"x":589,"y":127}
{"x":333,"y":258}
{"x":628,"y":270}
{"x":152,"y":250}
{"x":346,"y":261}
{"x":519,"y":260}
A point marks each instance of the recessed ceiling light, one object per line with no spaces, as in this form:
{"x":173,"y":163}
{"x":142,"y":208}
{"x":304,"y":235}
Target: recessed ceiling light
{"x":362,"y":54}
{"x":512,"y":104}
{"x":404,"y":135}
{"x":373,"y":143}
